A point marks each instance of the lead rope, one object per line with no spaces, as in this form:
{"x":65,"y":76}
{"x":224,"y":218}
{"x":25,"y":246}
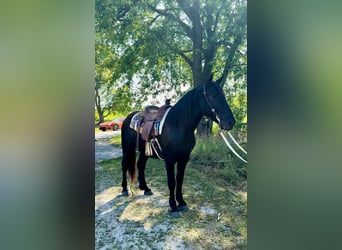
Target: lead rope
{"x":236,"y":143}
{"x":222,"y":135}
{"x":231,"y":148}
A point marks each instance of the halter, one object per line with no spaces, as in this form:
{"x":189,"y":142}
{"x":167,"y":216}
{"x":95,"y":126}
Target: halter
{"x":211,"y":107}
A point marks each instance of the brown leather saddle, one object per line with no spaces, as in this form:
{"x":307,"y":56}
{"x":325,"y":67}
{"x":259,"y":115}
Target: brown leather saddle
{"x":149,"y":124}
{"x":152,"y":115}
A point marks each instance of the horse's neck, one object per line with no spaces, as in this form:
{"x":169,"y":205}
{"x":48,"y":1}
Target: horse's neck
{"x":190,"y":105}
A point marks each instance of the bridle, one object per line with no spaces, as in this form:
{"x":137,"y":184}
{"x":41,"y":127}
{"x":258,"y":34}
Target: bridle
{"x":211,"y":107}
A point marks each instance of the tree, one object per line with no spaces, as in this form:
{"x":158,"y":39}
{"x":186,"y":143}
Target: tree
{"x":109,"y":95}
{"x":101,"y":111}
{"x":151,"y":38}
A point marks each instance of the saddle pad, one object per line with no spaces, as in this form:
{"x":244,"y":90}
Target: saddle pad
{"x":158,"y":125}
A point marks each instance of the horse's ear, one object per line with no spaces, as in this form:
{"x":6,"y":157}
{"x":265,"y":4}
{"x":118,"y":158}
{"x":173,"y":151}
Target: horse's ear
{"x":219,"y":81}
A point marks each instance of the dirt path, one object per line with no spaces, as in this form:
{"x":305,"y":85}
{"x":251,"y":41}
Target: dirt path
{"x":103,"y":150}
{"x":121,"y":223}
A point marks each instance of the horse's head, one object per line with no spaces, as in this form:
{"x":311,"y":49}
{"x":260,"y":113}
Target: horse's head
{"x":216,"y":106}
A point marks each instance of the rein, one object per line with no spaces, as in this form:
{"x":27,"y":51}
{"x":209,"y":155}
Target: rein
{"x":230,"y":146}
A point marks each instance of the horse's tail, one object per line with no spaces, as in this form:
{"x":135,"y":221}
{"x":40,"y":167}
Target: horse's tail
{"x":128,"y":143}
{"x":132,"y":167}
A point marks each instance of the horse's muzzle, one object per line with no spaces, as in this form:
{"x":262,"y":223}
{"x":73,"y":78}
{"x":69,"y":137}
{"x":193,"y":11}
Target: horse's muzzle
{"x":227,"y":125}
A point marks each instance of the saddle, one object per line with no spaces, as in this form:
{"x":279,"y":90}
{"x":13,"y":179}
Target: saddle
{"x":149,"y":123}
{"x":147,"y":119}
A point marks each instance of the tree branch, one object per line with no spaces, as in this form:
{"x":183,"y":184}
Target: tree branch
{"x":229,"y":60}
{"x":216,"y":20}
{"x":185,"y":27}
{"x":154,"y":19}
{"x":186,"y":59}
{"x":179,"y":52}
{"x":186,"y":9}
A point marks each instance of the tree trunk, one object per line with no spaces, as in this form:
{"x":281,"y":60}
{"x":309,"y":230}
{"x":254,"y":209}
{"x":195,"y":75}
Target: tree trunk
{"x":205,"y":127}
{"x":202,"y":58}
{"x":98,"y":106}
{"x":197,"y":44}
{"x":197,"y":57}
{"x":101,"y":117}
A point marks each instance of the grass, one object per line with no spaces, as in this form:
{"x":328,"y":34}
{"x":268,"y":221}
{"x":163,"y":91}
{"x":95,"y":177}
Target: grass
{"x":216,"y":195}
{"x":116,"y":140}
{"x":211,"y":154}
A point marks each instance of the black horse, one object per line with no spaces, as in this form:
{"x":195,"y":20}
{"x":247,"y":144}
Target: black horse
{"x":177,"y":139}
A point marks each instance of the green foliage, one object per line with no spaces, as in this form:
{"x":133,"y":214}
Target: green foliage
{"x":237,"y":100}
{"x":151,"y":47}
{"x":122,"y":99}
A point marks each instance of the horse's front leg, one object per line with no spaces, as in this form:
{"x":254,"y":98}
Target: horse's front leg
{"x":179,"y":178}
{"x":170,"y":169}
{"x":141,"y":174}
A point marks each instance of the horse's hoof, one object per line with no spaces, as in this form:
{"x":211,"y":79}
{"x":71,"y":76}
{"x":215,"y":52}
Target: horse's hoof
{"x":125,"y":193}
{"x":149,"y":192}
{"x":184,"y":208}
{"x":176,"y":214}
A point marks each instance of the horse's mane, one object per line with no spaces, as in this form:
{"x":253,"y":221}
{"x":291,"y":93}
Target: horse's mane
{"x":183,"y":109}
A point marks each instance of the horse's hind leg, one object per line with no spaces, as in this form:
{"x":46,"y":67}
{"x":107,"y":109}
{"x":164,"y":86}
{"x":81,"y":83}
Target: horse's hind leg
{"x":141,"y":174}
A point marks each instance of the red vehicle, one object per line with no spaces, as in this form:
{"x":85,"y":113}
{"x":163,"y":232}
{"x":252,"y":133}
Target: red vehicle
{"x":112,"y":125}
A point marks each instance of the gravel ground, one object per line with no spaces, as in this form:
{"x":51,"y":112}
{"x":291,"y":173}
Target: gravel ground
{"x":122,"y":224}
{"x":103,"y":150}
